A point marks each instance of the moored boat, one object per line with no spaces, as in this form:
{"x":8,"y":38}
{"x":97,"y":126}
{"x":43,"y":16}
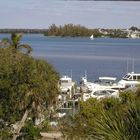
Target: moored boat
{"x":130,"y":80}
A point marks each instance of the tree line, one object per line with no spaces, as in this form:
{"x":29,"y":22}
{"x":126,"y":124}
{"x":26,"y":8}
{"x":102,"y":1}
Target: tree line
{"x":81,"y":31}
{"x":71,"y":30}
{"x":29,"y":31}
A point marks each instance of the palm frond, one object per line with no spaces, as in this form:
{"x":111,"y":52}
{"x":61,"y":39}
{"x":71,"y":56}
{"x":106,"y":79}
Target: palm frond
{"x":15,"y":38}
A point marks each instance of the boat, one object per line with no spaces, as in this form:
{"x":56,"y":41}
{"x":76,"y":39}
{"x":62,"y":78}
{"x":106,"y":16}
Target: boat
{"x":110,"y":82}
{"x":101,"y":93}
{"x":66,"y":86}
{"x":130,"y":80}
{"x":85,"y":85}
{"x":101,"y":83}
{"x":105,"y":93}
{"x":66,"y":83}
{"x":92,"y":37}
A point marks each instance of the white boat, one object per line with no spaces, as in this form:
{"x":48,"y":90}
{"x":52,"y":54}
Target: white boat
{"x":92,"y":37}
{"x":105,"y":93}
{"x":85,"y":85}
{"x":130,"y":80}
{"x":110,"y":82}
{"x":66,"y":85}
{"x":102,"y":83}
{"x":101,"y":93}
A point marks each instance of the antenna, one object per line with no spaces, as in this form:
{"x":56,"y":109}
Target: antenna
{"x":127,"y":64}
{"x":133,"y":63}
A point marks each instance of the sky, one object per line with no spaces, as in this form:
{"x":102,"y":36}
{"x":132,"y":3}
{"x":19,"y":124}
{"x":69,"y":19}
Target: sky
{"x":92,"y":14}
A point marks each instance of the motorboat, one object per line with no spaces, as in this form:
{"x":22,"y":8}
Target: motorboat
{"x":109,"y":83}
{"x":66,"y":84}
{"x":101,"y":83}
{"x":105,"y":93}
{"x":101,"y":93}
{"x":85,"y":85}
{"x":130,"y":80}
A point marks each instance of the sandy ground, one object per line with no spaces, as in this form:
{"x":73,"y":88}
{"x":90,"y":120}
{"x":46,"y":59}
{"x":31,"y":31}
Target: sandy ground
{"x":51,"y":136}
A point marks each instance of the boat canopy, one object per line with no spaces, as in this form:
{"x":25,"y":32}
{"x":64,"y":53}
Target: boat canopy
{"x":108,"y":78}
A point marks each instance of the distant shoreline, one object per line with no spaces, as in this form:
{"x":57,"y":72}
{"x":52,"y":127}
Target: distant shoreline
{"x":70,"y":30}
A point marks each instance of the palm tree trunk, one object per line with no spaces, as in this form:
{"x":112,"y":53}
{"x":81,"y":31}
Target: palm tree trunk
{"x":21,"y":124}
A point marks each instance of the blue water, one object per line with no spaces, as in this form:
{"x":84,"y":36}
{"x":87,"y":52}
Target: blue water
{"x":99,"y":57}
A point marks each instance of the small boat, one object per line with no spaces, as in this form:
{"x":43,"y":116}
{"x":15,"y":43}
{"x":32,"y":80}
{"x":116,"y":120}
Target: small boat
{"x":92,"y":37}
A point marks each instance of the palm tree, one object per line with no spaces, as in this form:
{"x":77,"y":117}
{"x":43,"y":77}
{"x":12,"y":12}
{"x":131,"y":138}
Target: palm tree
{"x":14,"y":42}
{"x":118,"y":126}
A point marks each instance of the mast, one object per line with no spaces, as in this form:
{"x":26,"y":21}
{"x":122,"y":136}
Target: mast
{"x":127,"y":65}
{"x":71,"y":74}
{"x":133,"y":63}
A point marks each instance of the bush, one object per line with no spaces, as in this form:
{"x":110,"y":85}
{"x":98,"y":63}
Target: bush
{"x":30,"y":131}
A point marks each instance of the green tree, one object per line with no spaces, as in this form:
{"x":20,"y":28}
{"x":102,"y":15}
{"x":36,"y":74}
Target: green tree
{"x":28,"y":87}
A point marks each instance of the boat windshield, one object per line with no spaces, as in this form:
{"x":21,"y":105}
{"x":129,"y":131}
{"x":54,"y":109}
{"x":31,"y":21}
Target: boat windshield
{"x":127,"y":77}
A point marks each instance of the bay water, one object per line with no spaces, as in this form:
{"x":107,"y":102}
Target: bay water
{"x":74,"y":56}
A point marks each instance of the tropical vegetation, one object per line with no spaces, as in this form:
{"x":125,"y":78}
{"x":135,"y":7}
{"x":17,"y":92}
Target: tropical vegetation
{"x":107,"y":119}
{"x":28,"y":90}
{"x":28,"y":87}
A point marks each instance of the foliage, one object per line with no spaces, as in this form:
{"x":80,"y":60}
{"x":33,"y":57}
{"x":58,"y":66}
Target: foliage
{"x":30,"y":131}
{"x":133,"y":28}
{"x":14,"y":43}
{"x":25,"y":83}
{"x":27,"y":31}
{"x":71,"y":30}
{"x":117,"y":126}
{"x":107,"y":119}
{"x":45,"y":126}
{"x":5,"y":134}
